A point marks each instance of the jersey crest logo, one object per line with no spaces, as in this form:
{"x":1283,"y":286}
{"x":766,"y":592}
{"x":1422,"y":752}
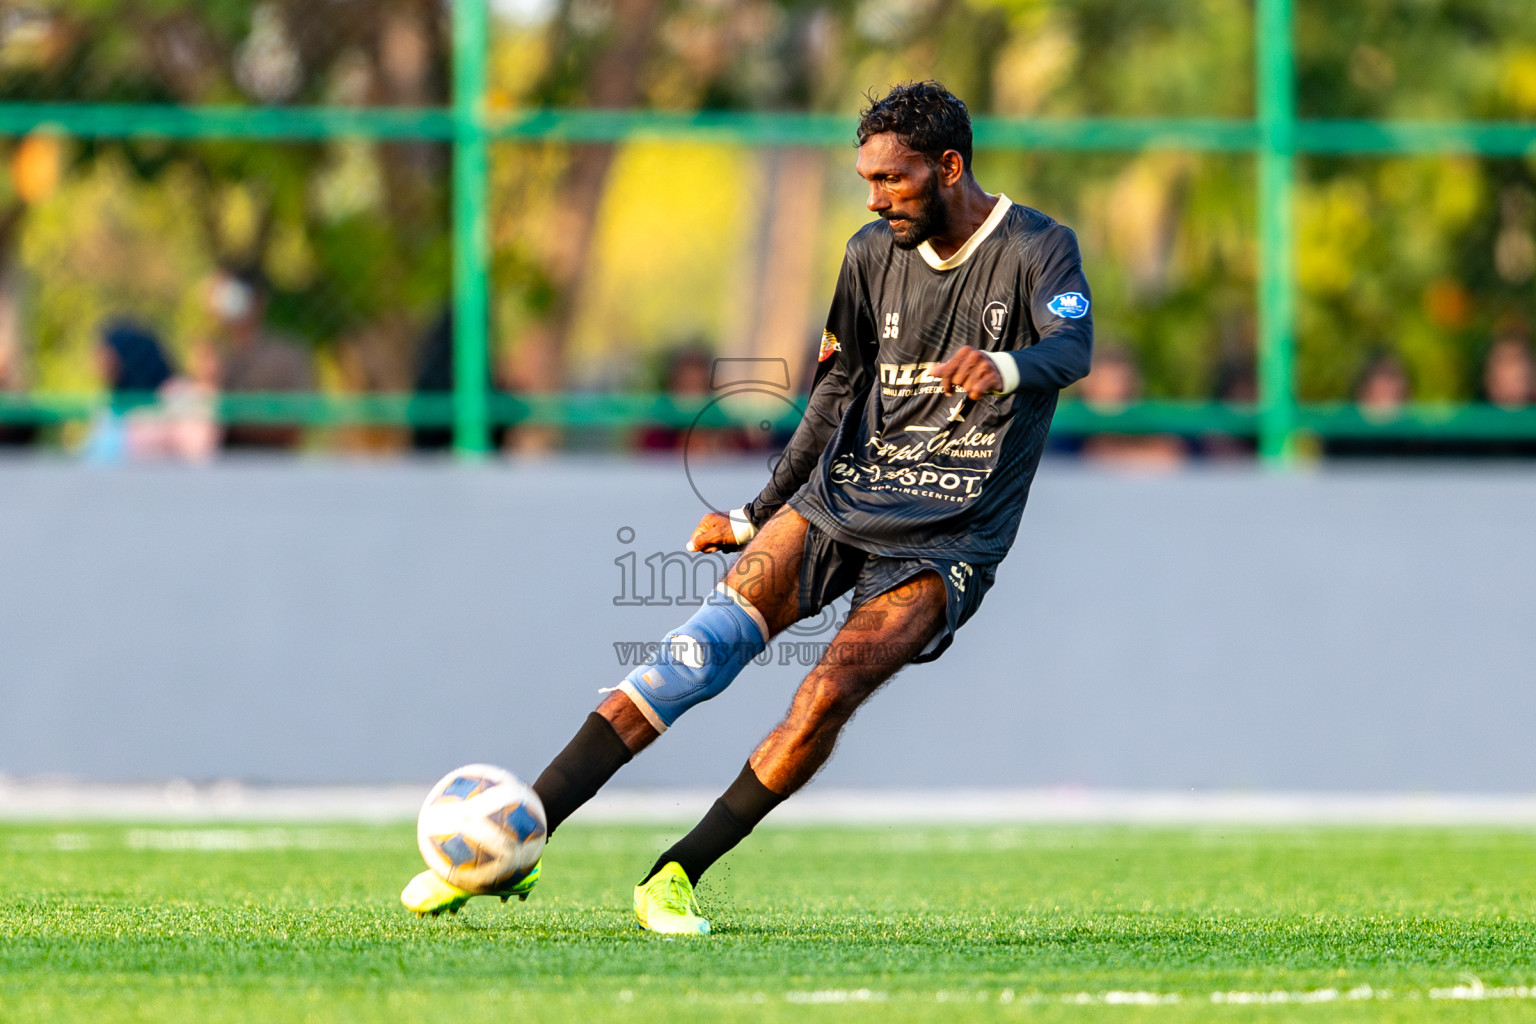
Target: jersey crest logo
{"x":994,"y":318}
{"x":829,"y":344}
{"x":1069,"y":305}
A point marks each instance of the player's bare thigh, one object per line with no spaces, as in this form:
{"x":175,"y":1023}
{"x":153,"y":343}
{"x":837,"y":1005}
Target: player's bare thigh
{"x":768,"y":572}
{"x":768,"y":575}
{"x":879,"y":638}
{"x":890,"y":629}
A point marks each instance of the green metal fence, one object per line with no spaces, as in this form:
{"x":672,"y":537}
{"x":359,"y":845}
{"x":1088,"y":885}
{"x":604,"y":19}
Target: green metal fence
{"x":1275,"y":137}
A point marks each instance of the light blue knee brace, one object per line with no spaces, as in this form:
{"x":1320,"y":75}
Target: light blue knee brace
{"x":696,"y":661}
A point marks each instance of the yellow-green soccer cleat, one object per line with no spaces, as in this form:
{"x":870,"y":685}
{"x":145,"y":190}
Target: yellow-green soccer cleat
{"x":428,"y":894}
{"x":665,"y":903}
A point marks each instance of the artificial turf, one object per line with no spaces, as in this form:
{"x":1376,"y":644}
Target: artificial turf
{"x":274,"y":923}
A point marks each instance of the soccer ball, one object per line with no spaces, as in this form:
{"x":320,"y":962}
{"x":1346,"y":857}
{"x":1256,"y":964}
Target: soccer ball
{"x":481,"y":829}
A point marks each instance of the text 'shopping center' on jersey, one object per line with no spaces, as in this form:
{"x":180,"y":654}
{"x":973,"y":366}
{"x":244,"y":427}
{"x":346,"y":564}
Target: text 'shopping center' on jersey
{"x":908,"y":470}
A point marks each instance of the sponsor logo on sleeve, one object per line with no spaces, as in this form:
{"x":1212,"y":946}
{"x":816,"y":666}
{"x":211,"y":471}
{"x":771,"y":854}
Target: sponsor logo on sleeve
{"x":1069,"y":305}
{"x":828,"y":346}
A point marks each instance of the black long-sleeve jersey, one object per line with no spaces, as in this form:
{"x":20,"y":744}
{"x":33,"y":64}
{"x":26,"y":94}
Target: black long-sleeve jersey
{"x":882,"y":459}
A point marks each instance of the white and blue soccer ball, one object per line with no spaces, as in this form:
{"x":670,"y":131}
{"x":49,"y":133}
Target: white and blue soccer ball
{"x":481,"y":828}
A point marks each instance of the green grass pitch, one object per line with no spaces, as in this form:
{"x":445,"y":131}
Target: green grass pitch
{"x":298,"y":923}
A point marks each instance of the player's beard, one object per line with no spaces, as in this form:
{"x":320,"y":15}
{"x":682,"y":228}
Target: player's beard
{"x":930,"y":219}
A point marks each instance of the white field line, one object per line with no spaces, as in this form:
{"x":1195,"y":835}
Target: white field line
{"x":203,"y":839}
{"x":1472,"y":991}
{"x":181,"y":801}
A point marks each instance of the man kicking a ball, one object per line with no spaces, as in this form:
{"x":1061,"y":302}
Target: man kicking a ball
{"x":957,"y":318}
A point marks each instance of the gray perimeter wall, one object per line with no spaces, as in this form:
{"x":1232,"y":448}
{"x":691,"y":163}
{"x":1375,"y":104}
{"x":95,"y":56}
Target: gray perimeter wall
{"x":373,"y":623}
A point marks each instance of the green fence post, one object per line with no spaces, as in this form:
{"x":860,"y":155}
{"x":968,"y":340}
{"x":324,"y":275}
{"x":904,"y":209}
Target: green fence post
{"x":1276,"y":72}
{"x":471,"y":232}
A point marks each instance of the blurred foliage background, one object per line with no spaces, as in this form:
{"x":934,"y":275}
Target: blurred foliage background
{"x":607,"y":257}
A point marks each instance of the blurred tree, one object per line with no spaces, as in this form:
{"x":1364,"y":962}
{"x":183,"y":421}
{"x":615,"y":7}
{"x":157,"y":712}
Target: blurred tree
{"x":352,"y":234}
{"x":599,"y":53}
{"x":1170,"y":235}
{"x":1420,"y":257}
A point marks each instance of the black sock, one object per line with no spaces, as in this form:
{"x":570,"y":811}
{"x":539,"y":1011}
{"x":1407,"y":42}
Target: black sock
{"x":581,"y":769}
{"x":729,"y":821}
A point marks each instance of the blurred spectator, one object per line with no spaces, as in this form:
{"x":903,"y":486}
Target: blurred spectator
{"x":152,"y":413}
{"x":253,"y":359}
{"x":132,"y":364}
{"x":1236,"y":384}
{"x":1381,"y":393}
{"x":183,"y":424}
{"x":688,"y":378}
{"x":1509,"y":383}
{"x":13,"y":435}
{"x":1509,"y":373}
{"x":1112,"y":385}
{"x":1383,"y":389}
{"x":434,"y":376}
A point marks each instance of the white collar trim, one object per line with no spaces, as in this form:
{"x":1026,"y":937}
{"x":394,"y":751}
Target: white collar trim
{"x":999,"y":211}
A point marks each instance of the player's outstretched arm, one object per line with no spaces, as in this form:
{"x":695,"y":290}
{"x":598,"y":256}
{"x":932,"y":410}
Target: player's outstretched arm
{"x":1061,"y":306}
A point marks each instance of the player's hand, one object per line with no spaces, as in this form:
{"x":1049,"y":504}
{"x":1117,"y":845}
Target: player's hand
{"x":714,"y":533}
{"x":970,"y":370}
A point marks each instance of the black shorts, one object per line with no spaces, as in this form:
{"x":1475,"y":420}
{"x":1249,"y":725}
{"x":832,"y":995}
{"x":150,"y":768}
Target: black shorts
{"x":830,"y":568}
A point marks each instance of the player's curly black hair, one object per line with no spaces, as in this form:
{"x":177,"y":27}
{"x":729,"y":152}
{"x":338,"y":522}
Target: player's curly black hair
{"x":925,"y":116}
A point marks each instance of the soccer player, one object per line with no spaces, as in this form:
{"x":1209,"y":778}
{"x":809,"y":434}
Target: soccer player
{"x":957,"y":317}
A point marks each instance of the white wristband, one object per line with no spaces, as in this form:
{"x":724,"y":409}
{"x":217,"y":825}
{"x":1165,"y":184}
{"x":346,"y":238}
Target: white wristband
{"x":1008,"y":367}
{"x":741,"y":526}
